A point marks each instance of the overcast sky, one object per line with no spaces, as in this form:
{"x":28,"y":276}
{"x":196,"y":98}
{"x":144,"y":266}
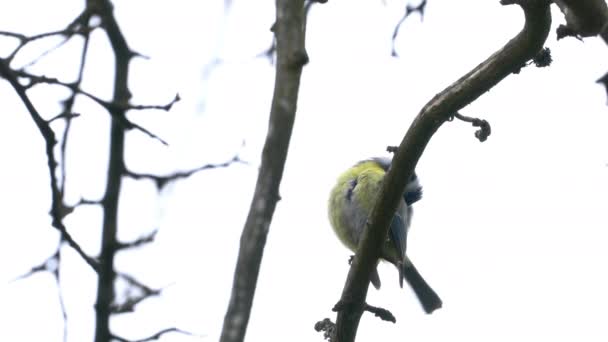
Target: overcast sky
{"x":511,"y":233}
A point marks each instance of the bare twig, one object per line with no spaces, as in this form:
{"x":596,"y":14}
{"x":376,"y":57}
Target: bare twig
{"x":131,"y":301}
{"x":50,"y":264}
{"x":67,"y":117}
{"x":111,"y":106}
{"x":468,"y":88}
{"x":68,"y":107}
{"x":604,"y":81}
{"x":384,"y":314}
{"x":148,"y":238}
{"x":22,"y":80}
{"x":57,"y":276}
{"x":155,"y":336}
{"x":165,"y":107}
{"x":291,"y":58}
{"x":78,"y":26}
{"x":484,"y":130}
{"x":409,"y":10}
{"x":161,"y":181}
{"x":58,"y":209}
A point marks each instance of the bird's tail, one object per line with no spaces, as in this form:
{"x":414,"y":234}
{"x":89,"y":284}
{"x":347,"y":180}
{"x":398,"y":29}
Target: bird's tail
{"x":426,"y":295}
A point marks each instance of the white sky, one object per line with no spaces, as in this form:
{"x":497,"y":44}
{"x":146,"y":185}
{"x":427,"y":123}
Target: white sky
{"x":511,"y":233}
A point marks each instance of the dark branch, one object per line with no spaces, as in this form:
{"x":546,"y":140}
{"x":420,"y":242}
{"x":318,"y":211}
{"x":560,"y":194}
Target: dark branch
{"x":438,"y":110}
{"x":161,"y":181}
{"x":66,"y":116}
{"x":604,"y":81}
{"x":155,"y":336}
{"x":57,"y":276}
{"x":149,"y":238}
{"x":78,"y":26}
{"x":84,"y":201}
{"x":58,"y":209}
{"x":111,"y":106}
{"x":21,"y":80}
{"x":122,"y":56}
{"x":131,"y":301}
{"x":166,"y":107}
{"x":384,"y":314}
{"x":291,"y":58}
{"x":51,"y":264}
{"x":484,"y":130}
{"x":409,"y":10}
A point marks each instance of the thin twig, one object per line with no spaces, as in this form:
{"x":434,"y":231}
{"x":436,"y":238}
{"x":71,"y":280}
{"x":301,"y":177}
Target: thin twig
{"x":155,"y":336}
{"x":484,"y":130}
{"x":131,"y":301}
{"x":78,"y":26}
{"x":148,"y":238}
{"x":68,"y":107}
{"x":161,"y":181}
{"x":58,"y":209}
{"x":111,"y":106}
{"x":409,"y":10}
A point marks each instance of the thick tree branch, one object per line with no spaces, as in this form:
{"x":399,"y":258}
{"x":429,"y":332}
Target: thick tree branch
{"x":291,"y":58}
{"x":439,"y":109}
{"x":110,"y":201}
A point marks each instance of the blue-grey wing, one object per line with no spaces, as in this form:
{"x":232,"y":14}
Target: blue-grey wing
{"x":398,"y":236}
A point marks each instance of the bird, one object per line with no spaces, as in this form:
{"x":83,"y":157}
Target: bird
{"x":351,"y":201}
